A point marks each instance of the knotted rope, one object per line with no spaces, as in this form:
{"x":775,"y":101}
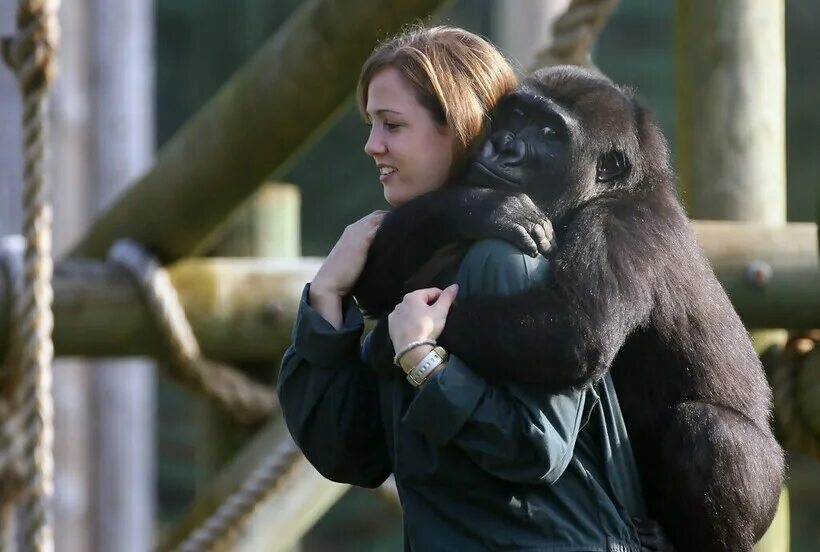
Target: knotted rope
{"x":796,"y":394}
{"x":244,"y":398}
{"x":574,"y":33}
{"x":31,"y":55}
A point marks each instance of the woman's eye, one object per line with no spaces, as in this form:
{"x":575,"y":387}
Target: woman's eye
{"x":391,"y":126}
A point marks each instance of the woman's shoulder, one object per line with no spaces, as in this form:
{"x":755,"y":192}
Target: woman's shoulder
{"x":496,"y":265}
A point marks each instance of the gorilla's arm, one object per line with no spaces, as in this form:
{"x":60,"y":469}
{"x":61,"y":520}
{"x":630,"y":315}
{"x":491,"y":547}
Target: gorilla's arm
{"x":410,"y":234}
{"x":599,"y":291}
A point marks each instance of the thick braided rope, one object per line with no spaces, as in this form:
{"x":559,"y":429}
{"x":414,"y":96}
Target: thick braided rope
{"x":221,"y":527}
{"x":798,"y":432}
{"x":31,"y":54}
{"x":574,"y":32}
{"x":244,"y":398}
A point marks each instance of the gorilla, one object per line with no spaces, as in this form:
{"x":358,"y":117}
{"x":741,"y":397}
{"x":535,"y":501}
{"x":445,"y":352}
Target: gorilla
{"x":574,"y":167}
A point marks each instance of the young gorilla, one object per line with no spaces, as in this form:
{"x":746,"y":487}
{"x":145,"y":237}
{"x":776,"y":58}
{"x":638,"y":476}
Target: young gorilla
{"x":629,"y":290}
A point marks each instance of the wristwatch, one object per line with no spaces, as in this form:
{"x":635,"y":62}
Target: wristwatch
{"x":421,"y":371}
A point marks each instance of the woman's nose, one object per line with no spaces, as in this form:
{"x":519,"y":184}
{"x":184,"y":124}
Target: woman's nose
{"x":375,"y":143}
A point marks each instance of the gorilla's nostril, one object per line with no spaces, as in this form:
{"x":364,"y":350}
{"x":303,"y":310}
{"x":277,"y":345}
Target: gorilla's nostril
{"x":514,"y":154}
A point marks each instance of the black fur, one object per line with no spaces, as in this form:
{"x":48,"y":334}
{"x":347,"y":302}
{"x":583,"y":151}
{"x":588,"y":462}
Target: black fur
{"x":630,"y":291}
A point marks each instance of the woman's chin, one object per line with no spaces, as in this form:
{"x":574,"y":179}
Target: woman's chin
{"x":393,"y":198}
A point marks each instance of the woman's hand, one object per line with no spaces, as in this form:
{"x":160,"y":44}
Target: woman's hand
{"x":345,"y":262}
{"x":421,"y":315}
{"x":342,"y":267}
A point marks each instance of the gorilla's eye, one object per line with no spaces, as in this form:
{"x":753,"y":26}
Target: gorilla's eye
{"x":611,"y":166}
{"x":549,"y":132}
{"x":518,"y":112}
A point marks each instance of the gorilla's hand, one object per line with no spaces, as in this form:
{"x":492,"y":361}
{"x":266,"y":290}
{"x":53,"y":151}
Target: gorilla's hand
{"x":412,"y":233}
{"x":512,"y":217}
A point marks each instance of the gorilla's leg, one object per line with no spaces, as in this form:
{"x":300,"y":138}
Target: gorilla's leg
{"x":719,"y":479}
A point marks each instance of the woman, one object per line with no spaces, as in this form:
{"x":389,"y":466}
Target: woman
{"x":478,"y":467}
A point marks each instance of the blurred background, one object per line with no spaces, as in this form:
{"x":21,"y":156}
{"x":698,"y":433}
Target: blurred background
{"x":196,"y":46}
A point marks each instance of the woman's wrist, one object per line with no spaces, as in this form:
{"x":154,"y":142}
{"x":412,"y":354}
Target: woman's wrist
{"x":414,"y":356}
{"x":327,"y":304}
{"x":320,"y":287}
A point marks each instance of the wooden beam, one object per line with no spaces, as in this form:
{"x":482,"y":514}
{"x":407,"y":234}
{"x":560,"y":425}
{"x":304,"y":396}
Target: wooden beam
{"x":284,"y":96}
{"x":770,"y":272}
{"x":242,"y":310}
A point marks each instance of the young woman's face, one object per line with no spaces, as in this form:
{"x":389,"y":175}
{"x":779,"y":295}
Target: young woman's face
{"x":413,"y":152}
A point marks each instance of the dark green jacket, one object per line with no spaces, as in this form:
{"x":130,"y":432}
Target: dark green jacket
{"x":478,"y":467}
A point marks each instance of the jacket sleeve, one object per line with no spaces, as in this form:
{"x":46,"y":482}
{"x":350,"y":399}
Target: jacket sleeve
{"x":517,"y":433}
{"x":330,"y":399}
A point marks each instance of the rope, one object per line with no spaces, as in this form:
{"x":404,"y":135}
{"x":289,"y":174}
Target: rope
{"x":574,"y":32}
{"x":244,"y":398}
{"x":234,"y":512}
{"x":798,"y":432}
{"x":31,"y":55}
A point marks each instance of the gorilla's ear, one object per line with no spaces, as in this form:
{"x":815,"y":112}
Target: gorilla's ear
{"x":611,"y":165}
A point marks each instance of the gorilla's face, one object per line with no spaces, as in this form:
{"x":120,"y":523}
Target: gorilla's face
{"x":561,"y":145}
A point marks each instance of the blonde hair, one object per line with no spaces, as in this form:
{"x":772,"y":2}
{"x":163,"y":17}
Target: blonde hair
{"x":457,"y":76}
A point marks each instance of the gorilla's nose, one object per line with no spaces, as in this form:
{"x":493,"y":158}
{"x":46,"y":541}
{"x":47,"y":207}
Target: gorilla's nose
{"x":504,"y":149}
{"x":513,"y":153}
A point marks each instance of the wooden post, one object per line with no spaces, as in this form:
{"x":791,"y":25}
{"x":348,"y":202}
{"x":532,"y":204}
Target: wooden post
{"x":281,"y":98}
{"x":69,"y":170}
{"x":121,"y":118}
{"x":11,"y":213}
{"x":523,"y":28}
{"x":266,"y":226}
{"x":731,"y":63}
{"x":11,"y":136}
{"x":731,"y":124}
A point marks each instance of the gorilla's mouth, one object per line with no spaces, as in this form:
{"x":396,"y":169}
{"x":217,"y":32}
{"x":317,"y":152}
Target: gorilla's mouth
{"x":481,"y":176}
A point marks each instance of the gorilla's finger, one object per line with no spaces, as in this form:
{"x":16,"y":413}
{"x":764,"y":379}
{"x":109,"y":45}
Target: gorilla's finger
{"x":548,"y":229}
{"x":550,"y":232}
{"x":541,"y":238}
{"x":523,"y":240}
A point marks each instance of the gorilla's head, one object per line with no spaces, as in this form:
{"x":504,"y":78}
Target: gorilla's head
{"x":566,"y":136}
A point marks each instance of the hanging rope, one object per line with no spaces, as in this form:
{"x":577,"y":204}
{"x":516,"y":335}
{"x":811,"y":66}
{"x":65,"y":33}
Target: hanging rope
{"x":221,"y":527}
{"x":574,"y":33}
{"x":31,"y":55}
{"x":244,"y":398}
